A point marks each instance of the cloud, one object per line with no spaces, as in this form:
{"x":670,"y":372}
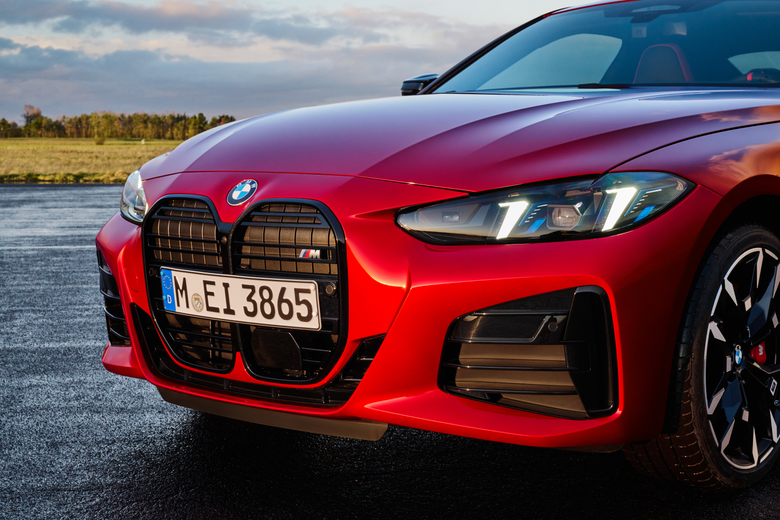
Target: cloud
{"x":8,"y":44}
{"x":217,"y":57}
{"x":209,"y":20}
{"x":71,"y":82}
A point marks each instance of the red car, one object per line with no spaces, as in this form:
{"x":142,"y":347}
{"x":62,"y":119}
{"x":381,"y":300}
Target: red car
{"x":568,"y":240}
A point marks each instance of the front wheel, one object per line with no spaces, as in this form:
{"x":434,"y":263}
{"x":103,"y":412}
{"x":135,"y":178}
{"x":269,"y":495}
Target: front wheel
{"x":730,"y":421}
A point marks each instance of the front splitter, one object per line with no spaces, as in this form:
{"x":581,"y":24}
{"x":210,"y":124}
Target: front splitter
{"x":350,"y":428}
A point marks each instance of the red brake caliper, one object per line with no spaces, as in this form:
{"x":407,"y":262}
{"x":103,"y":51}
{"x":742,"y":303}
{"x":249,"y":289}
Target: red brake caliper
{"x":759,"y":353}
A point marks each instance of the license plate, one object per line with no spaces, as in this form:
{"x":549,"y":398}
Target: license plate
{"x":256,"y":301}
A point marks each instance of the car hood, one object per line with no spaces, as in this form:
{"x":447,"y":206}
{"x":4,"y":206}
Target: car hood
{"x":468,"y":142}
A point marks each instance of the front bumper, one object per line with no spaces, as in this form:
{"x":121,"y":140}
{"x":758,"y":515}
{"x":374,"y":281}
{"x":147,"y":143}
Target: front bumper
{"x":411,"y":293}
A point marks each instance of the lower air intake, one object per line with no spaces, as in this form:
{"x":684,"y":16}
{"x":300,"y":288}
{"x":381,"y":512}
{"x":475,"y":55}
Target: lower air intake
{"x":116,"y":323}
{"x":334,"y":393}
{"x":551,"y":354}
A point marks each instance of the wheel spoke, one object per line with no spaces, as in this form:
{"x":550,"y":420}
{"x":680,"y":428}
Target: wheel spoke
{"x":730,"y":316}
{"x":741,"y":280}
{"x":722,"y":345}
{"x":774,"y":424}
{"x":754,"y":451}
{"x":722,"y":410}
{"x":732,"y":401}
{"x":755,"y":278}
{"x":762,"y":373}
{"x":739,"y":443}
{"x":725,"y":440}
{"x":762,"y":399}
{"x":762,"y":312}
{"x":715,"y":401}
{"x":730,"y":290}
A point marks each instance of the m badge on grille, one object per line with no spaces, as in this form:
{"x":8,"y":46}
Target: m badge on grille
{"x":309,"y":253}
{"x":242,"y":192}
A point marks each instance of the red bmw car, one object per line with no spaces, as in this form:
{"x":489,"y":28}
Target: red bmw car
{"x":568,"y":240}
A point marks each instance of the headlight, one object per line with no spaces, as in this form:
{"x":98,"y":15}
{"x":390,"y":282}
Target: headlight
{"x":585,"y":208}
{"x":133,"y":206}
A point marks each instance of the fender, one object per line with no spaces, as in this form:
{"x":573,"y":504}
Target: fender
{"x":751,"y":165}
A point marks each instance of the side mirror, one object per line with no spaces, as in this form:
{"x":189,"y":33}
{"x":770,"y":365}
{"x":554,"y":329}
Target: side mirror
{"x":413,"y":86}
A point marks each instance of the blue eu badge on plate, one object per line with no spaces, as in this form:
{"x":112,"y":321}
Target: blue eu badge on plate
{"x":167,"y":286}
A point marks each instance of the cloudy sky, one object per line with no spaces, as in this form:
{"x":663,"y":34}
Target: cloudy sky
{"x":240,"y":57}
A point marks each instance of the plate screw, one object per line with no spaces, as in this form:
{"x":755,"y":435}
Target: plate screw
{"x":330,"y":289}
{"x":223,"y":240}
{"x":777,"y":403}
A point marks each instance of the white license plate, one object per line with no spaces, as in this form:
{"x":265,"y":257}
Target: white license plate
{"x":257,"y":301}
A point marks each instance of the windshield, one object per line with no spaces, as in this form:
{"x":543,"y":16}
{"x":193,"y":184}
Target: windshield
{"x":642,"y":43}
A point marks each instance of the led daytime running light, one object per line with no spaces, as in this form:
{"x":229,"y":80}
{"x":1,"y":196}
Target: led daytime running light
{"x":623,"y":198}
{"x":513,"y":215}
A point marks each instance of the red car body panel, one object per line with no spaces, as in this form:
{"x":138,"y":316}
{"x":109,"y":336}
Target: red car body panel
{"x":468,"y":142}
{"x":413,"y":291}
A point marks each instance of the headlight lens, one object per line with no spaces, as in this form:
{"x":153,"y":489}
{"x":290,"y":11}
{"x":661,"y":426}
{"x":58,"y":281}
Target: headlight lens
{"x":585,"y":208}
{"x":134,"y":206}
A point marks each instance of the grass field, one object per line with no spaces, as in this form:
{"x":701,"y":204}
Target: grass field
{"x":75,"y":160}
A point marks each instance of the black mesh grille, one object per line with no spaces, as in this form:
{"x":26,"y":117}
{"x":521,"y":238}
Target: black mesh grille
{"x":207,"y":344}
{"x":288,"y":238}
{"x":273,"y":240}
{"x":183,"y":232}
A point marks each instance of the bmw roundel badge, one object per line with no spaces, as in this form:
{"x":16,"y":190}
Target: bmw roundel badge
{"x":242,"y":192}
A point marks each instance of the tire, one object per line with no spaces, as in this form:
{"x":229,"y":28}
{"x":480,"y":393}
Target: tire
{"x":730,"y":417}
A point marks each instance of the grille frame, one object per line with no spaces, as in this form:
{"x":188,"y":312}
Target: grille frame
{"x":225,"y":232}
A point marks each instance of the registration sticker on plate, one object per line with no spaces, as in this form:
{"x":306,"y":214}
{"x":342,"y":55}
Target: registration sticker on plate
{"x":257,"y":301}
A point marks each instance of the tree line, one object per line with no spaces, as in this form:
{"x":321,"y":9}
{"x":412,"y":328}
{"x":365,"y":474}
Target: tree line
{"x":108,"y":125}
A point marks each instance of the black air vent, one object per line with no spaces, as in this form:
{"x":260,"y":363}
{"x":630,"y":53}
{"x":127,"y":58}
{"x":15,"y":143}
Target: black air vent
{"x":116,"y":323}
{"x":550,"y":354}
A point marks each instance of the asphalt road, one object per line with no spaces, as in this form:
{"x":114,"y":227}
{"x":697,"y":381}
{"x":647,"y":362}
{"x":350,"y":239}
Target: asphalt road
{"x":79,"y":442}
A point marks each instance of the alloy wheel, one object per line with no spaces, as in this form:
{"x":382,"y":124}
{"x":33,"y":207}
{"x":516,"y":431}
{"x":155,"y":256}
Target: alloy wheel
{"x":741,"y":369}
